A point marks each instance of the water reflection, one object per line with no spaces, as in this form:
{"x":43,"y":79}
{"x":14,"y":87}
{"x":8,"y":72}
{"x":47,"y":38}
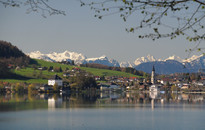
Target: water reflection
{"x":153,"y":100}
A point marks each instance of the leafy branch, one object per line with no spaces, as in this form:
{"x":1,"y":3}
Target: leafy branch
{"x":185,"y":17}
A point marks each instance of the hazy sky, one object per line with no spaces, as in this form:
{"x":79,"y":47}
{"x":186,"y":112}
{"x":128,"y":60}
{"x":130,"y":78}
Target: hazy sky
{"x":81,"y":32}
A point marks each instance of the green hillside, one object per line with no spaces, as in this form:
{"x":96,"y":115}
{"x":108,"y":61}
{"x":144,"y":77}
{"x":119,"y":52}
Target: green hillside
{"x":37,"y":76}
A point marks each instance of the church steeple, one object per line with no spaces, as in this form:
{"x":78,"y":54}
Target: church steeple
{"x":153,"y":75}
{"x":153,"y":69}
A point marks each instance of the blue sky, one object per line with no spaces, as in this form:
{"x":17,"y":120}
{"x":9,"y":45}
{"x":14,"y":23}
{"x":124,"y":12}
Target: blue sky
{"x":80,"y":31}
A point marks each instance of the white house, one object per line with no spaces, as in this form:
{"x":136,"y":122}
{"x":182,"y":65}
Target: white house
{"x":55,"y":80}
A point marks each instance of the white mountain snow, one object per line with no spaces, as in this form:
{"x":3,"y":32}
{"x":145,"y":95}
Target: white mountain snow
{"x":77,"y":57}
{"x":57,"y":57}
{"x":177,"y":58}
{"x":82,"y":59}
{"x":194,"y":57}
{"x":127,"y":64}
{"x":148,"y":58}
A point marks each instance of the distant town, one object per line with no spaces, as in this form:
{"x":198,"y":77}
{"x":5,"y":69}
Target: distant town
{"x":20,"y":73}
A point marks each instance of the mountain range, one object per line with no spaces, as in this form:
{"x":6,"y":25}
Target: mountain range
{"x":169,"y":65}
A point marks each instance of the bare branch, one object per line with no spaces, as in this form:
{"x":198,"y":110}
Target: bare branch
{"x":34,"y":6}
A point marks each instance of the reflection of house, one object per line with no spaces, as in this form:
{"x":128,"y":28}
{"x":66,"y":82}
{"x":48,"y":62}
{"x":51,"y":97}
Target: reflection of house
{"x":55,"y":80}
{"x":54,"y":103}
{"x":46,"y":87}
{"x":111,"y":86}
{"x":185,"y":86}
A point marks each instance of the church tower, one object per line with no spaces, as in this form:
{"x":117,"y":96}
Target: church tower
{"x":153,"y":75}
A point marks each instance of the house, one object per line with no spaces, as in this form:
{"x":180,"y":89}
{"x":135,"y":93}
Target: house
{"x":114,"y":86}
{"x":55,"y":80}
{"x":104,"y":87}
{"x":74,"y":69}
{"x":97,"y":78}
{"x":18,"y":68}
{"x":66,"y":74}
{"x":164,"y":81}
{"x":10,"y":66}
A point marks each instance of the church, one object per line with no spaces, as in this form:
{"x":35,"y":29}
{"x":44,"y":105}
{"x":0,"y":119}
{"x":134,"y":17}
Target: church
{"x":154,"y":87}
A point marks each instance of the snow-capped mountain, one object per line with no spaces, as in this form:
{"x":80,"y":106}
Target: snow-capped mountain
{"x":169,"y":65}
{"x":57,"y":57}
{"x":77,"y":57}
{"x":103,"y":60}
{"x":148,"y":58}
{"x":177,"y":58}
{"x":194,"y":57}
{"x":39,"y":55}
{"x":127,"y":64}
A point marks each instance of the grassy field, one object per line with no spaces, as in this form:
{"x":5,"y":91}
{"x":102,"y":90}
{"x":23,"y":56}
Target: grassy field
{"x":41,"y":81}
{"x":94,"y":71}
{"x":35,"y":76}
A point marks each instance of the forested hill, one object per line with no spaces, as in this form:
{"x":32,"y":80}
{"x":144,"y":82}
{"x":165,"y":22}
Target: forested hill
{"x":10,"y":54}
{"x":7,"y":50}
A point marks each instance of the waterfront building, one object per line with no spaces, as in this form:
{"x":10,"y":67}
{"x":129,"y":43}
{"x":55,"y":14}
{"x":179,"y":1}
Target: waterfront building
{"x":55,"y":80}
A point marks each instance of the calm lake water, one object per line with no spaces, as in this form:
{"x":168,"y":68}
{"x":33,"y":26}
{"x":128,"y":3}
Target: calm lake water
{"x":110,"y":111}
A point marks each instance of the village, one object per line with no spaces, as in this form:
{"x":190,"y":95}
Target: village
{"x":70,"y":81}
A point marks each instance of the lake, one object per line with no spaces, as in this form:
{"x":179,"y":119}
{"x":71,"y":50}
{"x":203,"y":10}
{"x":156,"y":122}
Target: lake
{"x":108,"y":110}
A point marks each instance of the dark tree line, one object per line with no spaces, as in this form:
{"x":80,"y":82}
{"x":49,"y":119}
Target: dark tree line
{"x":122,"y":69}
{"x":7,"y":50}
{"x":10,"y":54}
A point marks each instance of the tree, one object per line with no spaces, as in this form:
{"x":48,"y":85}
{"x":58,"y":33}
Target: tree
{"x":60,"y":69}
{"x":40,"y":75}
{"x":83,"y":81}
{"x":31,"y":88}
{"x":55,"y":87}
{"x":187,"y":16}
{"x":56,"y":69}
{"x":19,"y":88}
{"x":159,"y":18}
{"x":50,"y":68}
{"x":173,"y":88}
{"x":34,"y":73}
{"x":66,"y":69}
{"x":34,"y":6}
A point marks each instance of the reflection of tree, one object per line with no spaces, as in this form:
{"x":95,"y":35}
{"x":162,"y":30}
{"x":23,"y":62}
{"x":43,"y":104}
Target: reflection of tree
{"x":77,"y":99}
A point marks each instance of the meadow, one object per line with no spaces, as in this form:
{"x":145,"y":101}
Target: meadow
{"x":37,"y":76}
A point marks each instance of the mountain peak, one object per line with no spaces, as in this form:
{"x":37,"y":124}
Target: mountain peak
{"x":81,"y":59}
{"x":148,"y":58}
{"x":174,"y":57}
